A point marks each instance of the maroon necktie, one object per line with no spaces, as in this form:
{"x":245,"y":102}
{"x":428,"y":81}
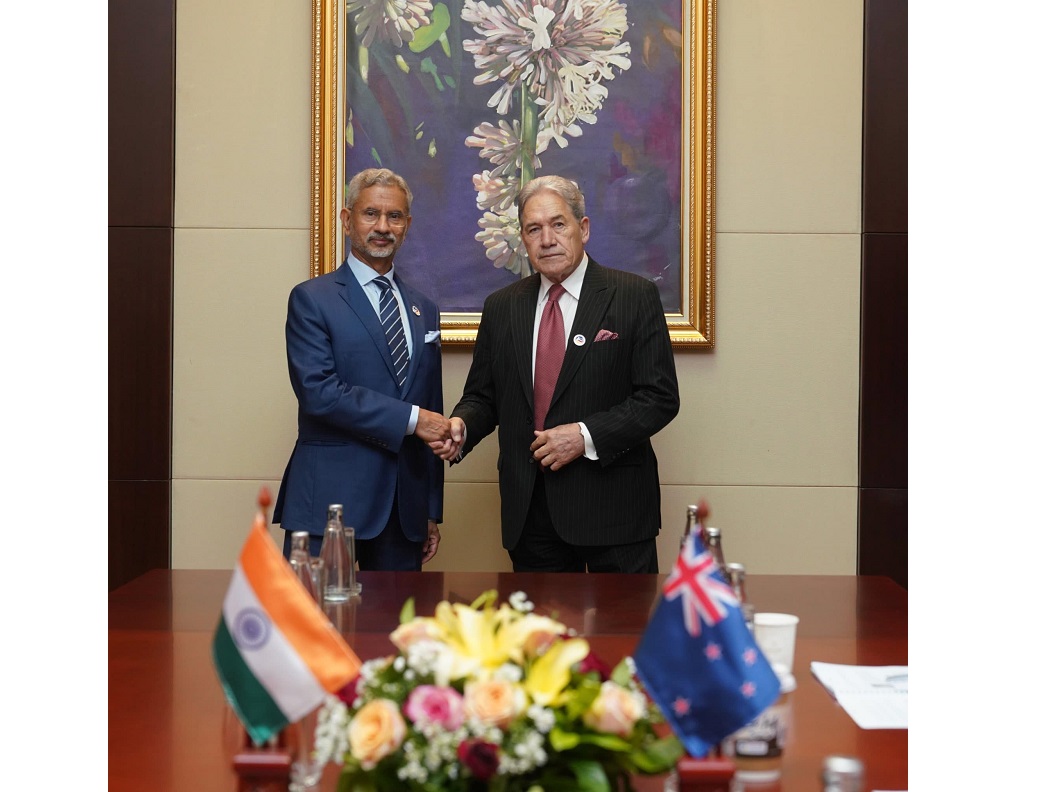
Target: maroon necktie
{"x":549,"y":353}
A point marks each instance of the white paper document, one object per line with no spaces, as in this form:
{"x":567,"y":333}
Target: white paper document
{"x":874,"y":696}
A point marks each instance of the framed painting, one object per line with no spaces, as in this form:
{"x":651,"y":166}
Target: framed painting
{"x":468,"y":100}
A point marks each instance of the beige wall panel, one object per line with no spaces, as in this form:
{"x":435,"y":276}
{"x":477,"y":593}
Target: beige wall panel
{"x":481,"y":463}
{"x":768,"y":426}
{"x":776,"y":401}
{"x":471,"y":531}
{"x":771,"y":530}
{"x":243,"y":114}
{"x":211,"y":520}
{"x":789,"y":115}
{"x":235,"y":415}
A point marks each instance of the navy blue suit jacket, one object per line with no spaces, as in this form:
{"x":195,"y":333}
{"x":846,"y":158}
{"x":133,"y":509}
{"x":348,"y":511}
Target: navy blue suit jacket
{"x":351,"y":419}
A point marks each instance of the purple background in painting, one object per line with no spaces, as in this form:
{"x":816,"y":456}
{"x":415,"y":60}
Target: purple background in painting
{"x":628,"y":163}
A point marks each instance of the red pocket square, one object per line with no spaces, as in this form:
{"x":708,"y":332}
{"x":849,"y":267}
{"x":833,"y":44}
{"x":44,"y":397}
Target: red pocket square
{"x":606,"y":335}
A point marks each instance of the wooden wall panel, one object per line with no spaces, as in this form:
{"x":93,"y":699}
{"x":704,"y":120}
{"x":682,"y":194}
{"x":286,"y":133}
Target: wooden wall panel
{"x":141,"y":112}
{"x":883,"y":402}
{"x":140,"y":332}
{"x":139,"y":533}
{"x":885,"y":117}
{"x":141,"y":233}
{"x":884,"y":360}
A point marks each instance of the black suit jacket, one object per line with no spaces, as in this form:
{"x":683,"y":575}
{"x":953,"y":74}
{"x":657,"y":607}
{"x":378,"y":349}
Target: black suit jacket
{"x":624,"y":390}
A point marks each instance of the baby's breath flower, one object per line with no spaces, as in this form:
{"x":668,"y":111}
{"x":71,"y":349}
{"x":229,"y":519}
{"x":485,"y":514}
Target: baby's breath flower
{"x":542,"y":717}
{"x":509,"y":672}
{"x":520,"y":602}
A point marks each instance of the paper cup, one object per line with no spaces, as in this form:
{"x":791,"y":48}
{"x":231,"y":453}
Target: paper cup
{"x":776,"y":634}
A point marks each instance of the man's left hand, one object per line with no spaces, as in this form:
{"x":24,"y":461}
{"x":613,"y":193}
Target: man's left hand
{"x":431,"y":544}
{"x":558,"y":446}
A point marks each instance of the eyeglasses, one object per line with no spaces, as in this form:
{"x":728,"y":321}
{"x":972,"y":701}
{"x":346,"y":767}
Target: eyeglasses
{"x":372,"y":217}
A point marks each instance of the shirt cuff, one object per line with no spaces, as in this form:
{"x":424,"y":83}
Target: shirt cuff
{"x":411,"y":427}
{"x":590,"y":452}
{"x":460,"y":454}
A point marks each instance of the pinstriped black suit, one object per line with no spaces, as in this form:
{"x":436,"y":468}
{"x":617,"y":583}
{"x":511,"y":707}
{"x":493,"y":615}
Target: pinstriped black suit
{"x":624,"y":390}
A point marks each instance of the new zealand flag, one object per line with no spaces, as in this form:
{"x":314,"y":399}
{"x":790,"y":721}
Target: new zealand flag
{"x":697,"y":659}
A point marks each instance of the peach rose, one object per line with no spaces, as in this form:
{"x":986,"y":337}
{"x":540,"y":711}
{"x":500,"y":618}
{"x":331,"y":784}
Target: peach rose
{"x":420,"y":629}
{"x":376,"y":731}
{"x":615,"y":711}
{"x":494,"y":701}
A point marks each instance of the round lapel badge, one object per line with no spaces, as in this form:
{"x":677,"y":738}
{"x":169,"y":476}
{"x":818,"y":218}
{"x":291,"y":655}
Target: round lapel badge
{"x":579,"y":339}
{"x":416,"y":310}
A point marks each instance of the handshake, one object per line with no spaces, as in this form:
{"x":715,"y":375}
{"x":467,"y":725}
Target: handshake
{"x":445,"y":436}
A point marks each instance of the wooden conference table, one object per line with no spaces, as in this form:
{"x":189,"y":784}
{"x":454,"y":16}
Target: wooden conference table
{"x":168,"y":717}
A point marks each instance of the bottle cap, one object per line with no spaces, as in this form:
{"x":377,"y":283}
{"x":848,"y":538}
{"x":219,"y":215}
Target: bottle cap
{"x":712,"y":531}
{"x":836,"y":768}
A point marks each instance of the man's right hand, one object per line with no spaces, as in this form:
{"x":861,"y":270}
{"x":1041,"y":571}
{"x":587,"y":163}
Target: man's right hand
{"x":432,"y":427}
{"x":449,"y":448}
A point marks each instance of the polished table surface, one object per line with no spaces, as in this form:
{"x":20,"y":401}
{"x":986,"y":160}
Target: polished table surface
{"x":168,"y":718}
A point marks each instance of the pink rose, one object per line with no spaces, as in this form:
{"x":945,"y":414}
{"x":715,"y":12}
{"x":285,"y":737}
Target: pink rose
{"x":480,"y":757}
{"x":431,"y":704}
{"x":376,"y":731}
{"x":615,"y":711}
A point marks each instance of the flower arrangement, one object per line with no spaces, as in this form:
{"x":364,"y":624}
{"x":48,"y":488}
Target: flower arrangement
{"x":493,"y":697}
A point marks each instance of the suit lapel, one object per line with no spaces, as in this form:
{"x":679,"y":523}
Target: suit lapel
{"x":353,"y":294}
{"x":523,"y":314}
{"x":595,"y":296}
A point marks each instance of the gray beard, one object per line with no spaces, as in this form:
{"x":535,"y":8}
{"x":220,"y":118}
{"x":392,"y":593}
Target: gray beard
{"x":382,"y":253}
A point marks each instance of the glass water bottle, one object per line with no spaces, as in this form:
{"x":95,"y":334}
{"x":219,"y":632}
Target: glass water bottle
{"x":300,"y":563}
{"x":712,"y":539}
{"x":338,"y":555}
{"x":737,"y":577}
{"x":692,"y":522}
{"x":842,"y":774}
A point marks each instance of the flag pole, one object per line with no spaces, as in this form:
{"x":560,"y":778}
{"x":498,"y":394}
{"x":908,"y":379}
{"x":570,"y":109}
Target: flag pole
{"x":263,"y":767}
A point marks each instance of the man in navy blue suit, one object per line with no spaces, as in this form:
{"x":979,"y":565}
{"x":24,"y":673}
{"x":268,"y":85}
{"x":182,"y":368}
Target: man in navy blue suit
{"x":366,"y":366}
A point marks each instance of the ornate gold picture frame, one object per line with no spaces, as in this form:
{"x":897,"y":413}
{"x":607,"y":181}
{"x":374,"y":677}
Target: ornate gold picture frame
{"x":387,"y":91}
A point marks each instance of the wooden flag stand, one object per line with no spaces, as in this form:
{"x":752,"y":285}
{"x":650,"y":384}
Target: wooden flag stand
{"x":265,"y":769}
{"x":710,"y":774}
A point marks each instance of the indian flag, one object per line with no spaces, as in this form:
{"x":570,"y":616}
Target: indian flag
{"x":276,"y":653}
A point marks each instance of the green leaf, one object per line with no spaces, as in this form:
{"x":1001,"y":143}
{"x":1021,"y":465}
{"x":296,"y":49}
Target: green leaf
{"x":609,"y":742}
{"x":590,"y":777}
{"x":488,"y":597}
{"x":659,"y":756}
{"x":622,"y":674}
{"x":409,"y":609}
{"x":428,"y":67}
{"x":562,"y":740}
{"x":426,"y":36}
{"x":355,"y":782}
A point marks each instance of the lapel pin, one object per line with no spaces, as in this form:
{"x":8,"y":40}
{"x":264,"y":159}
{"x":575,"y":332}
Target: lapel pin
{"x":416,"y":310}
{"x":579,"y":340}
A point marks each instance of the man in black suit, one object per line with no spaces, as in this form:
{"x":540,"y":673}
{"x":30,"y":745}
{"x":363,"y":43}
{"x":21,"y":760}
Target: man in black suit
{"x":579,"y":487}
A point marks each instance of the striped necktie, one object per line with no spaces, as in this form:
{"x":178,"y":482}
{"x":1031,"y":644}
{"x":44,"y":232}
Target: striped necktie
{"x":392,"y":322}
